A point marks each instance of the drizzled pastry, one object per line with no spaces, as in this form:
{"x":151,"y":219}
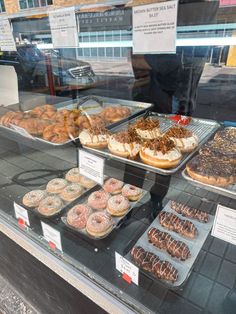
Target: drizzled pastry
{"x":190,"y":212}
{"x":164,"y":241}
{"x":160,"y":152}
{"x":174,"y":223}
{"x":212,"y":170}
{"x":125,"y":144}
{"x":148,"y":128}
{"x":95,"y":137}
{"x":184,"y":139}
{"x":153,"y":264}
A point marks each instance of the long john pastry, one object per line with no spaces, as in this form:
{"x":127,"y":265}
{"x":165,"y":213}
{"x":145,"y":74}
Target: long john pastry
{"x":190,"y":212}
{"x":152,"y":263}
{"x":163,"y":240}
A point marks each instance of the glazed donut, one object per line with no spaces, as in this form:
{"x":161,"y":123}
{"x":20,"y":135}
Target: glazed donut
{"x":50,"y":205}
{"x":115,"y":113}
{"x":71,"y":192}
{"x":73,"y":175}
{"x":56,"y":185}
{"x":98,"y":200}
{"x":40,"y":110}
{"x":78,"y":215}
{"x":33,"y":198}
{"x":113,"y":186}
{"x":118,"y":205}
{"x":86,"y":183}
{"x":34,"y":126}
{"x":59,"y":133}
{"x":99,"y":224}
{"x":132,"y":192}
{"x":86,"y":122}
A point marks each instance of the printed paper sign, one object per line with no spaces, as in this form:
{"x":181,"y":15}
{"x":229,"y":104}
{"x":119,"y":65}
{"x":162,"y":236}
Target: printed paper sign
{"x":7,"y":42}
{"x":21,"y":213}
{"x":22,"y":131}
{"x":126,"y":268}
{"x":154,"y":28}
{"x":224,"y":226}
{"x":91,"y":166}
{"x":64,"y":28}
{"x":52,"y":236}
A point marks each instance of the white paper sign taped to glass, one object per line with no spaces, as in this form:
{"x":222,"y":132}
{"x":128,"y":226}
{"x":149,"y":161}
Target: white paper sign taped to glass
{"x":7,"y":42}
{"x":126,"y":267}
{"x":64,"y":30}
{"x":154,"y":28}
{"x":224,"y":226}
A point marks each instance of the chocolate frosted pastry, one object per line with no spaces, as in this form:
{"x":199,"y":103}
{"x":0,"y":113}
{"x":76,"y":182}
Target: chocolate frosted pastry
{"x":153,"y":264}
{"x":147,"y":128}
{"x":190,"y":212}
{"x":174,"y":223}
{"x":160,"y":152}
{"x":184,"y":139}
{"x":164,"y":241}
{"x":212,"y":170}
{"x":125,"y":144}
{"x":95,"y":137}
{"x":228,"y":134}
{"x":221,"y":149}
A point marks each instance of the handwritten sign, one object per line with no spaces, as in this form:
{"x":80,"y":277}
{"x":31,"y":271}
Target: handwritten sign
{"x":22,"y":215}
{"x":129,"y":271}
{"x":7,"y":42}
{"x":52,"y":236}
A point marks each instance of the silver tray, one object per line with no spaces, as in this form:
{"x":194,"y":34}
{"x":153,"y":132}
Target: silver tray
{"x":91,"y":107}
{"x":203,"y":128}
{"x":229,"y":191}
{"x":195,"y":245}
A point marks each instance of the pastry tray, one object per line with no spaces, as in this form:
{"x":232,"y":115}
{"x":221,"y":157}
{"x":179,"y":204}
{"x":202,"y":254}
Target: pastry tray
{"x":203,"y":128}
{"x":66,"y":204}
{"x":90,"y":107}
{"x":117,"y":220}
{"x":229,"y":191}
{"x":195,"y":245}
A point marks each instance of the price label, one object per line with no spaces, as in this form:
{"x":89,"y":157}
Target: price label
{"x":129,"y":271}
{"x":22,"y":131}
{"x":224,"y":226}
{"x":91,"y":166}
{"x":22,"y":215}
{"x":52,"y":236}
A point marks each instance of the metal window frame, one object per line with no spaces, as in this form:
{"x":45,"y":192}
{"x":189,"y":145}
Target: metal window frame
{"x":2,"y":7}
{"x":40,"y":4}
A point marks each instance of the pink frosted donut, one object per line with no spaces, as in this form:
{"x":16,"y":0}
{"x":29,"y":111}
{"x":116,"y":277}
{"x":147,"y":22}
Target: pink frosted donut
{"x":98,"y":200}
{"x":78,"y":215}
{"x":99,"y":224}
{"x":118,"y":205}
{"x":132,"y":192}
{"x":113,"y":186}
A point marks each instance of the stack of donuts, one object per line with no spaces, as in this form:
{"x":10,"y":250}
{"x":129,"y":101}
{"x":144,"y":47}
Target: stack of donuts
{"x":58,"y":193}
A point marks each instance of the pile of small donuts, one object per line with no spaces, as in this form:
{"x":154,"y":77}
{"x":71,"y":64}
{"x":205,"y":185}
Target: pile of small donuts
{"x":58,"y":126}
{"x":59,"y":192}
{"x":95,"y":216}
{"x":144,"y":139}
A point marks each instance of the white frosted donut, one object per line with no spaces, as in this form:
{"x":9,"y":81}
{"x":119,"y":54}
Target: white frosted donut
{"x":132,"y":192}
{"x":73,"y":175}
{"x":33,"y":198}
{"x":86,"y":183}
{"x":98,"y":200}
{"x":118,"y":205}
{"x":113,"y":186}
{"x":99,"y":224}
{"x":71,"y":192}
{"x":56,"y":185}
{"x":78,"y":215}
{"x":50,"y":205}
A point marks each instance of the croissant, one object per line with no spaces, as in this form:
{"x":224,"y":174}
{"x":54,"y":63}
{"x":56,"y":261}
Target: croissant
{"x":152,"y":263}
{"x":164,"y":240}
{"x":187,"y":211}
{"x":174,"y":223}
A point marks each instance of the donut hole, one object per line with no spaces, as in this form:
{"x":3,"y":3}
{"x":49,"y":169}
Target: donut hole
{"x":98,"y":220}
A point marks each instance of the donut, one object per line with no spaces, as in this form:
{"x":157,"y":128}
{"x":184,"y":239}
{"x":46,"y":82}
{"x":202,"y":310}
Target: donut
{"x":56,"y":185}
{"x":50,"y":205}
{"x":115,"y":113}
{"x":113,"y":186}
{"x":33,"y":198}
{"x":87,"y":183}
{"x":118,"y":205}
{"x":132,"y":192}
{"x":98,"y":200}
{"x":71,"y":192}
{"x":99,"y":224}
{"x":78,"y":215}
{"x":60,"y":132}
{"x":94,"y":137}
{"x":73,"y":175}
{"x":34,"y":126}
{"x":41,"y":110}
{"x":88,"y":121}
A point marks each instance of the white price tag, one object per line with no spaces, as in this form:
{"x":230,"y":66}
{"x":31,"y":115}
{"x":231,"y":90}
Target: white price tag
{"x":129,"y":271}
{"x":91,"y":166}
{"x":22,"y":131}
{"x":22,"y":215}
{"x":224,"y":226}
{"x":52,"y":236}
{"x":154,"y":28}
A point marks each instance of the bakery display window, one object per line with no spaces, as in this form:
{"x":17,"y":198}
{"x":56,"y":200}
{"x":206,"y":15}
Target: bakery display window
{"x":114,"y":163}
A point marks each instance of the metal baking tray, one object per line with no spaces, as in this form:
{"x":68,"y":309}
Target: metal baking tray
{"x":195,"y":245}
{"x":229,"y":191}
{"x":91,"y":105}
{"x":116,"y":220}
{"x":203,"y":128}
